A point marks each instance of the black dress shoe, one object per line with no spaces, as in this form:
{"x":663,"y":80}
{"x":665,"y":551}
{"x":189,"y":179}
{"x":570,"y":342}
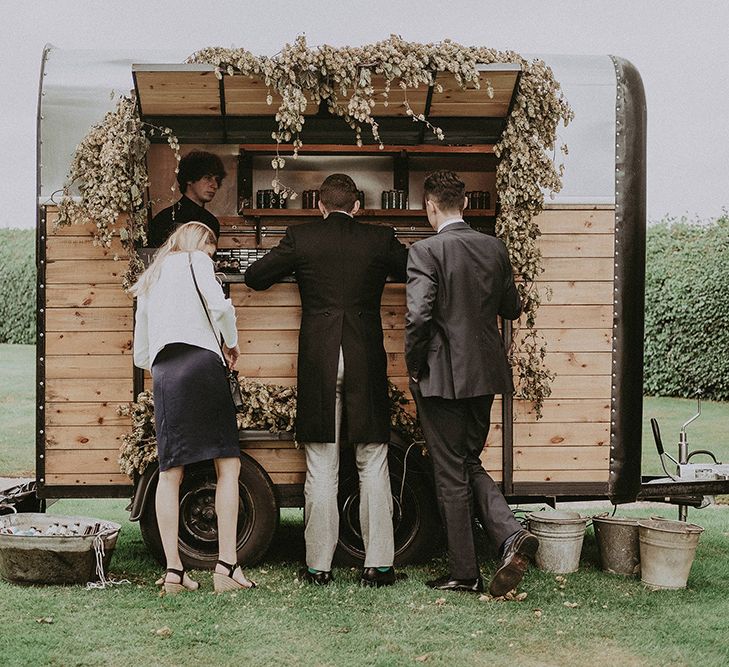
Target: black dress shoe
{"x":447,"y":583}
{"x":371,"y":576}
{"x":316,"y":578}
{"x":514,"y":563}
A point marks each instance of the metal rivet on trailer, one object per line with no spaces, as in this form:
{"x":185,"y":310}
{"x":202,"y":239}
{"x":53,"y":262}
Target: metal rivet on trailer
{"x":40,"y":407}
{"x":42,"y":479}
{"x":41,"y":334}
{"x":41,"y":358}
{"x":41,"y":456}
{"x":41,"y":383}
{"x":41,"y":431}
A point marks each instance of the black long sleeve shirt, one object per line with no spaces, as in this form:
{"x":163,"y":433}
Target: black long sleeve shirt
{"x":170,"y":218}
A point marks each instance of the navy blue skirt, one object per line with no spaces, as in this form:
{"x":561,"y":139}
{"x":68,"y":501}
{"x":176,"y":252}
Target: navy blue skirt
{"x":193,"y":410}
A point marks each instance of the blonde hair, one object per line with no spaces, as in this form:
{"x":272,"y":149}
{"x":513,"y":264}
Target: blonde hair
{"x":186,"y":238}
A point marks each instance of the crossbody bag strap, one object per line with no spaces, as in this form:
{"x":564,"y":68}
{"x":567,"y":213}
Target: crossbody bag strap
{"x":205,"y":308}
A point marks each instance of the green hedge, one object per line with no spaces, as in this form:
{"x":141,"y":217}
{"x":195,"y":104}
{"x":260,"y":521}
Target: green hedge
{"x":687,"y":309}
{"x":17,"y":286}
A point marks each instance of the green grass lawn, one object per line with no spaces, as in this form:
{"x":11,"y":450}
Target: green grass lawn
{"x":617,"y":621}
{"x":17,"y":410}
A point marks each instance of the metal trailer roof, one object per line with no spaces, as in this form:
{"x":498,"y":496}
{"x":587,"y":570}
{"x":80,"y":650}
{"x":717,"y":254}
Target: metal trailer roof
{"x":76,"y":89}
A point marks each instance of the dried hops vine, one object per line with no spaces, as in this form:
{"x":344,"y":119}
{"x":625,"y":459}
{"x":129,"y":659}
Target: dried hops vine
{"x":342,"y":77}
{"x":267,"y":407}
{"x":110,"y":169}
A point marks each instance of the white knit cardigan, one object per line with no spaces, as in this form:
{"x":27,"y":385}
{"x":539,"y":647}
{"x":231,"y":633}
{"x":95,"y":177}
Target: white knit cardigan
{"x":171,"y":312}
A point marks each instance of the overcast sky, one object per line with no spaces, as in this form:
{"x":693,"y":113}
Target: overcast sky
{"x":680,"y":48}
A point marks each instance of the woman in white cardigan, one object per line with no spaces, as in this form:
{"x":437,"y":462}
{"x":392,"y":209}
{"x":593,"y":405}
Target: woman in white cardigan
{"x":193,"y":409}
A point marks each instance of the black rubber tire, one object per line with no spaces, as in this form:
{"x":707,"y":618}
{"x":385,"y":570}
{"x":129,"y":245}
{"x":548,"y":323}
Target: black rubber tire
{"x":416,"y":521}
{"x":258,"y":516}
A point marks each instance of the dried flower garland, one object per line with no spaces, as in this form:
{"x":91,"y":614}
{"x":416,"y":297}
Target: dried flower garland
{"x":266,"y":407}
{"x":299,"y":75}
{"x":110,"y":167}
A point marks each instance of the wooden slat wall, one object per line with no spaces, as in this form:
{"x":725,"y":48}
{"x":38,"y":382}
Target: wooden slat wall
{"x":572,"y":440}
{"x":89,"y":366}
{"x":89,"y":324}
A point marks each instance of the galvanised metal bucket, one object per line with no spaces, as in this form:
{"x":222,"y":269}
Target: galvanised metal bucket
{"x":560,"y":537}
{"x":53,"y":559}
{"x":618,"y":544}
{"x":667,"y":550}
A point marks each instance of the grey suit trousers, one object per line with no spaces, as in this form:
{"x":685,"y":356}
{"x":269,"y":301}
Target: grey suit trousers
{"x":321,"y":514}
{"x":455,"y":431}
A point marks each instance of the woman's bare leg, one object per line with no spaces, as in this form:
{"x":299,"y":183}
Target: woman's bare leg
{"x":226,"y":507}
{"x":167,"y":505}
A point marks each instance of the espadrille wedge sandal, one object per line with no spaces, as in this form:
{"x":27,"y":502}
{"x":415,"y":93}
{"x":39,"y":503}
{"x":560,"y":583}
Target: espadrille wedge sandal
{"x":225,"y":582}
{"x":171,"y":588}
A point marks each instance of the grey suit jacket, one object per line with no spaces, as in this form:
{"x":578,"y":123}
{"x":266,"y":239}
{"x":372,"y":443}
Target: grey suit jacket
{"x":458,"y":282}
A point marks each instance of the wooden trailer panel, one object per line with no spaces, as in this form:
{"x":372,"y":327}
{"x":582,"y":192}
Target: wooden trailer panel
{"x":572,"y":440}
{"x":88,"y":360}
{"x":89,"y":323}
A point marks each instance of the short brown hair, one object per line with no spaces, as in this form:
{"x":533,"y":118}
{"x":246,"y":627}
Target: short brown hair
{"x":338,"y":193}
{"x":446,"y":188}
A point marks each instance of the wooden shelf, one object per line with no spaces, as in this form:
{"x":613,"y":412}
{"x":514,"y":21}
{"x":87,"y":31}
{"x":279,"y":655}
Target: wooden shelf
{"x":373,"y":149}
{"x":364,"y":213}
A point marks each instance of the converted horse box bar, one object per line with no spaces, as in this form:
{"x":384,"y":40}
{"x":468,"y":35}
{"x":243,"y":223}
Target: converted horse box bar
{"x":588,"y":443}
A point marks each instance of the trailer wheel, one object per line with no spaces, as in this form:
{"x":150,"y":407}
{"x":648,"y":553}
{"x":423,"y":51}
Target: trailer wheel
{"x":416,"y":521}
{"x":198,"y":532}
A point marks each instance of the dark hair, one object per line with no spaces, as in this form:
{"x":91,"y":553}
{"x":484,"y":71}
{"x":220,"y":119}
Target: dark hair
{"x":197,"y":164}
{"x":446,"y":188}
{"x":338,"y":193}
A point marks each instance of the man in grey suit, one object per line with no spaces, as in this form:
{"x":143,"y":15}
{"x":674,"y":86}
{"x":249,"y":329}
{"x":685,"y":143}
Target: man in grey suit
{"x":458,"y":281}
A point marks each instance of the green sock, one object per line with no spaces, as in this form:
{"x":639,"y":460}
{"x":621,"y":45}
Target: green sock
{"x":313,"y":571}
{"x":384,"y":569}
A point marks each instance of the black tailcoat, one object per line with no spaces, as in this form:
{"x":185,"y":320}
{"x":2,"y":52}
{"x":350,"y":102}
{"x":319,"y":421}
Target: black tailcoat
{"x":341,"y":266}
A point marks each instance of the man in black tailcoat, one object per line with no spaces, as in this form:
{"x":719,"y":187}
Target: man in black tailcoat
{"x":341,"y":266}
{"x":459,"y":281}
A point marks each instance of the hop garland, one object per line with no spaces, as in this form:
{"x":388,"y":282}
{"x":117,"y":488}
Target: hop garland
{"x":299,"y":74}
{"x":110,"y":167}
{"x":266,"y":407}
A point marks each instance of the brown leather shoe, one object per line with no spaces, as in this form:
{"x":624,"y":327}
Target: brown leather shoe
{"x":448,"y":583}
{"x":514,"y":563}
